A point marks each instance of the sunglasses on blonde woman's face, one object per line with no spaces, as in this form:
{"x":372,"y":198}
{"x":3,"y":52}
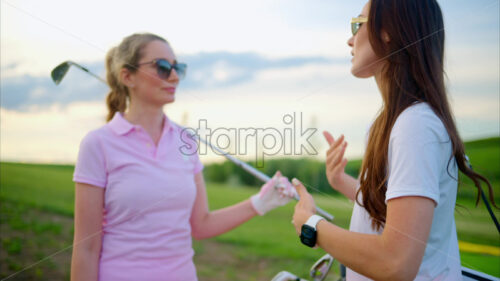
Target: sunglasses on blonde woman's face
{"x":164,"y":68}
{"x":356,"y":24}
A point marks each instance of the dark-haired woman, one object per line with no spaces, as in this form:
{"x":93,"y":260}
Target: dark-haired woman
{"x":140,"y":195}
{"x":402,"y":226}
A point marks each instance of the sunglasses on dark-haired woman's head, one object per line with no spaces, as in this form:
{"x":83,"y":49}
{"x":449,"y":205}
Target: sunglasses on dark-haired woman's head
{"x":356,"y":24}
{"x":164,"y":68}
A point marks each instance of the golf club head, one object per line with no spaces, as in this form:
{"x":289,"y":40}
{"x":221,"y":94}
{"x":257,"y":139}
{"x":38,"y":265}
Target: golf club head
{"x":320,"y":269}
{"x":286,"y":276}
{"x":60,"y":71}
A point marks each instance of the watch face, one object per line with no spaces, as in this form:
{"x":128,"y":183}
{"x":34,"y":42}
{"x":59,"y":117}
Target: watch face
{"x":308,"y":235}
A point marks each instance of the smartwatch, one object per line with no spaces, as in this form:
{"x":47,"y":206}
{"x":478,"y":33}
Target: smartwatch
{"x":308,"y":231}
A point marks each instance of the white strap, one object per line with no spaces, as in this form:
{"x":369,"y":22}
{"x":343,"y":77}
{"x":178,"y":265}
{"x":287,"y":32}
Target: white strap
{"x":313,"y":220}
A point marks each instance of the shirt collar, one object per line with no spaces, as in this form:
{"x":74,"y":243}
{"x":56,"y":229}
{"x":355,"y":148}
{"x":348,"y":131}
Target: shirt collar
{"x":122,"y":126}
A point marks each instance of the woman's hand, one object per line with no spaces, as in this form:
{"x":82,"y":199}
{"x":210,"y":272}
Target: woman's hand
{"x":274,"y":193}
{"x":305,"y":208}
{"x":335,"y":161}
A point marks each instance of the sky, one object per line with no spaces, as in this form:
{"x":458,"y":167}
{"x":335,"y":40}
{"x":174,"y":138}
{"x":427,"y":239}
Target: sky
{"x":264,"y":65}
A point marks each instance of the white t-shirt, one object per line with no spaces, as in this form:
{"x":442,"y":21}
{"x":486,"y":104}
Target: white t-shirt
{"x":419,"y":165}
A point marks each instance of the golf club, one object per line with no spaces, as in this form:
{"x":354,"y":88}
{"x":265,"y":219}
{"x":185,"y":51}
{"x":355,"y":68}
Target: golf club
{"x":258,"y":174}
{"x":318,"y":272}
{"x":320,"y":269}
{"x":60,"y":71}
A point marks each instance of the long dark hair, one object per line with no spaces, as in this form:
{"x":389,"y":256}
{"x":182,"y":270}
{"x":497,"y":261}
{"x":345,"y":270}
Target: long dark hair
{"x":413,"y":71}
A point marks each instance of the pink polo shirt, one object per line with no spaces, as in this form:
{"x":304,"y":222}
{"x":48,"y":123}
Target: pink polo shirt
{"x":149,"y":195}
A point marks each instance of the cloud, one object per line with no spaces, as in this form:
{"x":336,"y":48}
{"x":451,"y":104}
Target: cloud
{"x":23,"y":92}
{"x":56,"y":129}
{"x":224,"y":69}
{"x":205,"y":71}
{"x":9,"y":67}
{"x":231,"y":91}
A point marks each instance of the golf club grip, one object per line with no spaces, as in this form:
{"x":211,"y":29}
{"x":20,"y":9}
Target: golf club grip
{"x":258,"y":174}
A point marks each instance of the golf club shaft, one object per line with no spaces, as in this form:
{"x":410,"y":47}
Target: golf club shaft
{"x":88,"y":71}
{"x":258,"y":174}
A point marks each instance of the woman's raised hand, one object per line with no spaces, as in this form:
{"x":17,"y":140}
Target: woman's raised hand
{"x":335,"y":161}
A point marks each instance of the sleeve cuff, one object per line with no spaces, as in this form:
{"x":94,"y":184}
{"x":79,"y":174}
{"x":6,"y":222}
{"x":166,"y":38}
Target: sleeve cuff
{"x":85,"y":180}
{"x":198,"y":168}
{"x":405,"y":193}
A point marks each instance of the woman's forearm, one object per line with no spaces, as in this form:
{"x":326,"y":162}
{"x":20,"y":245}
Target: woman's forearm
{"x":366,"y":254}
{"x":223,"y":220}
{"x":395,"y":254}
{"x":347,"y":186}
{"x":84,"y":265}
{"x":87,"y":240}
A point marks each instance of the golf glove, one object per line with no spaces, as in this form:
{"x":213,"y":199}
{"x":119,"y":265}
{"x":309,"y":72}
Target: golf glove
{"x":276,"y":192}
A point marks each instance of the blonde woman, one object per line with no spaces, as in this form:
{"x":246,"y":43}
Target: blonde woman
{"x":140,"y":197}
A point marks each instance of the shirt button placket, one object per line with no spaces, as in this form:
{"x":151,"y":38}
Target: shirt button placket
{"x":147,"y":142}
{"x":150,"y":148}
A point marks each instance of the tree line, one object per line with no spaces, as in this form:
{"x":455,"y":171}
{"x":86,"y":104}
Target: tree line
{"x":310,"y":171}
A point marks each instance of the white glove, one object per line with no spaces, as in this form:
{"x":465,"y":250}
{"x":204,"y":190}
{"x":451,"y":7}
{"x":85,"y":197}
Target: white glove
{"x":274,"y":193}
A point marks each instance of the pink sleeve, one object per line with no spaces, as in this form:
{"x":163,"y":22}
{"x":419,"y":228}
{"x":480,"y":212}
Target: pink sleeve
{"x":190,"y":149}
{"x":90,"y":166}
{"x":194,"y":157}
{"x":197,"y":163}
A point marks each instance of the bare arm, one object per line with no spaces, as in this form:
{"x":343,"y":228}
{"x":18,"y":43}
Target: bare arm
{"x":89,"y":201}
{"x":206,"y":224}
{"x":335,"y":166}
{"x":347,"y":186}
{"x":396,"y":254}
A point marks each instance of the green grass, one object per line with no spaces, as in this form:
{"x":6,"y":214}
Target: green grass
{"x":473,"y":225}
{"x":48,"y":187}
{"x":29,"y":235}
{"x":485,"y":159}
{"x":281,"y":240}
{"x":270,"y":238}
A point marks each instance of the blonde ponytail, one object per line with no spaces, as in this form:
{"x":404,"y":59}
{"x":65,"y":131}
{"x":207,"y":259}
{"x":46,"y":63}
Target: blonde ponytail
{"x":125,"y":55}
{"x":117,"y":96}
